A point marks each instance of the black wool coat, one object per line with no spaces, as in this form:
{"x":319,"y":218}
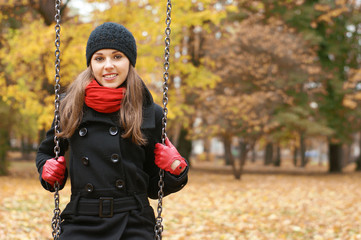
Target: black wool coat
{"x":104,"y":169}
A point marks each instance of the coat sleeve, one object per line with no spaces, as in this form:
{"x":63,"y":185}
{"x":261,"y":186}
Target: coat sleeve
{"x":45,"y":152}
{"x":172,"y":183}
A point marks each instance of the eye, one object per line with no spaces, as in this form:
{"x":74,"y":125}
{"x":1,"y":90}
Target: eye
{"x":98,"y":59}
{"x":118,"y":56}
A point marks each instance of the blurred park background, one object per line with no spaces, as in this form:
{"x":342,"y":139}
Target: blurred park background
{"x":269,"y":89}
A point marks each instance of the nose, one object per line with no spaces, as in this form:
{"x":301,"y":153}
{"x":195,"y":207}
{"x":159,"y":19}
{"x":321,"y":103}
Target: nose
{"x":108,"y":64}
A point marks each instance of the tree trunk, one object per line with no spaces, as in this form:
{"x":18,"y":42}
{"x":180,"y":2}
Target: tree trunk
{"x":185,"y":145}
{"x":4,"y":147}
{"x":358,"y":164}
{"x":237,"y":166}
{"x":335,"y":157}
{"x":228,"y":157}
{"x":277,"y":160}
{"x":245,"y":147}
{"x":295,"y":153}
{"x":254,"y":154}
{"x":6,"y":116}
{"x":237,"y":170}
{"x":25,"y":148}
{"x":304,"y":160}
{"x":268,"y":156}
{"x":195,"y":45}
{"x":346,"y":155}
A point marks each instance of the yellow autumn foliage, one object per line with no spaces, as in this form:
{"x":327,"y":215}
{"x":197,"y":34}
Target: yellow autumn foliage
{"x":29,"y":55}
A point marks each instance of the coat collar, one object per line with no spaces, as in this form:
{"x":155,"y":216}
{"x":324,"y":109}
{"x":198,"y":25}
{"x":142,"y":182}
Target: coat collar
{"x":90,"y":115}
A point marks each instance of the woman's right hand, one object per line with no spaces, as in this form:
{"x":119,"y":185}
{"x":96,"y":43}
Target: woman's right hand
{"x":54,"y":170}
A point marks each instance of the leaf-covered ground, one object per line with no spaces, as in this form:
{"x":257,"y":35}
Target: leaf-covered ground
{"x":212,"y":206}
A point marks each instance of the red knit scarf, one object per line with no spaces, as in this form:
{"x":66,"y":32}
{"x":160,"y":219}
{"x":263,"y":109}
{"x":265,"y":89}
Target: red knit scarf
{"x":103,"y":99}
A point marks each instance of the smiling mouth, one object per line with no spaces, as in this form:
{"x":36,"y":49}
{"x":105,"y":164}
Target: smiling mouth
{"x":110,"y":76}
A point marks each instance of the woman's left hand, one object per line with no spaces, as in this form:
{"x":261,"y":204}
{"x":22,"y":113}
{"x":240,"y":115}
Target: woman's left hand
{"x":168,"y":158}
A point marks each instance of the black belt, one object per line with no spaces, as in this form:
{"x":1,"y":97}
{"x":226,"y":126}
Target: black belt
{"x":105,"y":207}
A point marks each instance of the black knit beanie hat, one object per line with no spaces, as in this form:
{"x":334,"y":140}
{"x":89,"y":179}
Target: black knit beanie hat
{"x":112,"y":36}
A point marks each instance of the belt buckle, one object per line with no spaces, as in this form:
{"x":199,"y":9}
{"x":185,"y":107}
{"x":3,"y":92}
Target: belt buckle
{"x":101,"y":200}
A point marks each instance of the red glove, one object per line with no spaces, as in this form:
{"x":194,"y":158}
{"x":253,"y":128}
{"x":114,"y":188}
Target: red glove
{"x":165,"y":155}
{"x":54,"y":171}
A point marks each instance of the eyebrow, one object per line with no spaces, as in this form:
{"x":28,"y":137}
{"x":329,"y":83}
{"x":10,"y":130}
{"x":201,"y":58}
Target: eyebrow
{"x":116,"y":51}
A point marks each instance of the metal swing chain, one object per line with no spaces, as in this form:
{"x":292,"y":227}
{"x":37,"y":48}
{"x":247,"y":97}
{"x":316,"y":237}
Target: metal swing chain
{"x":158,"y":228}
{"x":55,"y":223}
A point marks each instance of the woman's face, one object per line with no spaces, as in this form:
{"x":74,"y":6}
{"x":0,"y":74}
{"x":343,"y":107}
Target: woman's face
{"x":110,"y":67}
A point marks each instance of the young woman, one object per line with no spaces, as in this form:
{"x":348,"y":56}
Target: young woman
{"x":113,"y":129}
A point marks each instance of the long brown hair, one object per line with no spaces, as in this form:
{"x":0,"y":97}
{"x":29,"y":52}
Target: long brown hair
{"x":130,"y":113}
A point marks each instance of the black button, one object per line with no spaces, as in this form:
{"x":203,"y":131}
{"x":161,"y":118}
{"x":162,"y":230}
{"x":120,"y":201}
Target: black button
{"x":85,"y":161}
{"x":115,"y":158}
{"x":83,"y":132}
{"x":119,"y":184}
{"x":89,"y":187}
{"x":113,"y":131}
